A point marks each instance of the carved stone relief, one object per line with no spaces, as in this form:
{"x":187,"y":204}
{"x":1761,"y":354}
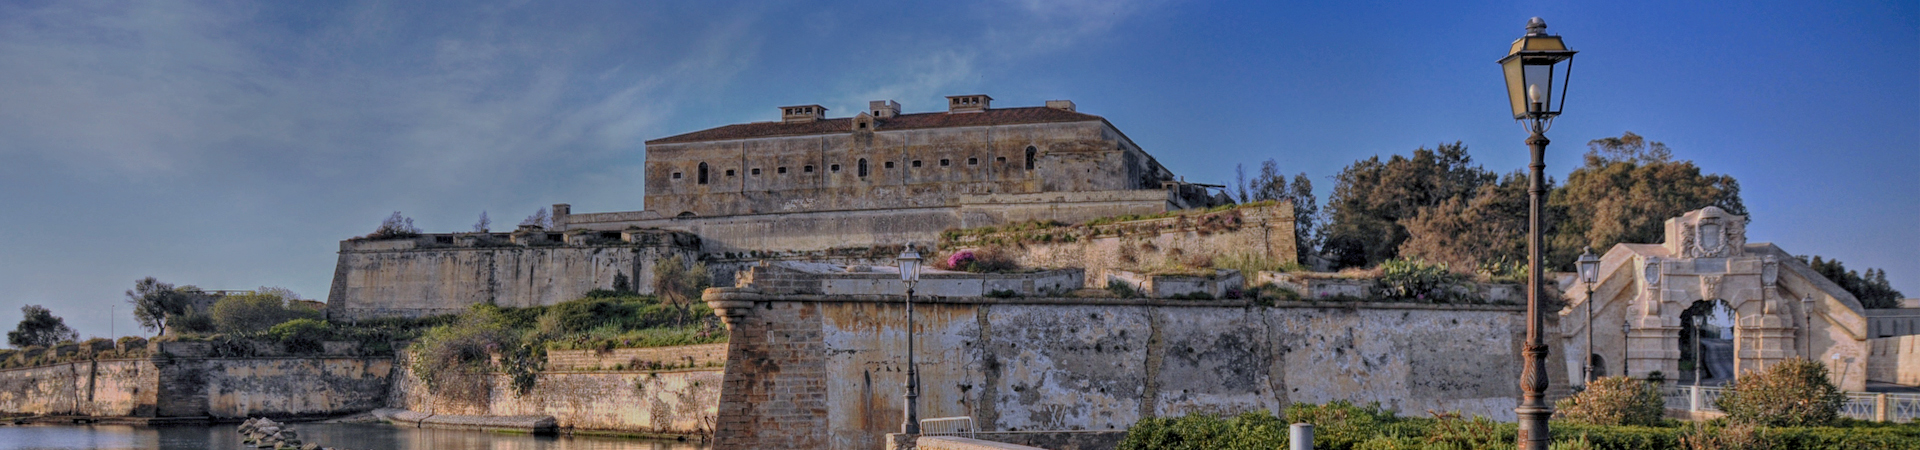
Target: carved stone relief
{"x":1710,"y":287}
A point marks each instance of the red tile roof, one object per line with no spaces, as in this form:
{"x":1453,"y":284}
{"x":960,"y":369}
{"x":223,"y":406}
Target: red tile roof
{"x":1003,"y":116}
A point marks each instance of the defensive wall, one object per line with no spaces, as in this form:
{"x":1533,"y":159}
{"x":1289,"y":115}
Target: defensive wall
{"x":679,"y":400}
{"x":1894,"y":360}
{"x":1195,"y":238}
{"x":445,"y":273}
{"x":183,"y":380}
{"x":827,"y":371}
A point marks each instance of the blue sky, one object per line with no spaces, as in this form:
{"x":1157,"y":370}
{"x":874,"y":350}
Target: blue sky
{"x":231,"y":145}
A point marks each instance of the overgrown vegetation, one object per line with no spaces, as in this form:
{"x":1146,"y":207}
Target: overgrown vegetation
{"x":395,"y":227}
{"x":455,"y":359}
{"x":1344,"y":426}
{"x":1614,"y":401}
{"x":1795,"y":392}
{"x":1420,"y":281}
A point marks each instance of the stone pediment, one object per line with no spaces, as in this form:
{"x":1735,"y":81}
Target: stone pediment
{"x":1707,"y":233}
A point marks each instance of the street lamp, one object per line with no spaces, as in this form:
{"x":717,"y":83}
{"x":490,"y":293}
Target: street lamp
{"x":1626,"y":326}
{"x":910,"y":273}
{"x":1532,"y":69}
{"x":1699,"y":320}
{"x":1589,"y":272}
{"x":1806,"y":328}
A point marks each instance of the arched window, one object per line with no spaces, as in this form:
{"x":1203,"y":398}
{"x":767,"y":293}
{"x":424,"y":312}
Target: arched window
{"x":1030,"y":154}
{"x":703,"y":173}
{"x":863,"y":167}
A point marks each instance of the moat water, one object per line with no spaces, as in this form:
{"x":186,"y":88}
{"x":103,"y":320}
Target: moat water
{"x":339,"y":435}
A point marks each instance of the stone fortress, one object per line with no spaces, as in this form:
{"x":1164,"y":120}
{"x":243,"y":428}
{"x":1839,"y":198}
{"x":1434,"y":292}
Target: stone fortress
{"x":807,"y":185}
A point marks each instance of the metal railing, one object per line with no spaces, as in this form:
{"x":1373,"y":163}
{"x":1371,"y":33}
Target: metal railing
{"x":1859,"y":405}
{"x":948,"y":426}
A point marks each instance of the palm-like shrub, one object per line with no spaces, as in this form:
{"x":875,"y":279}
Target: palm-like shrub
{"x":1613,"y":401}
{"x":1792,"y":393}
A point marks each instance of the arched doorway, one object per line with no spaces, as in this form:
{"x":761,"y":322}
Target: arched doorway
{"x":1599,"y":366}
{"x":1706,"y":349}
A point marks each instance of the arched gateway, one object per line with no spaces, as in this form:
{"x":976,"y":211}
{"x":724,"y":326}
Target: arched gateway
{"x":1781,"y":307}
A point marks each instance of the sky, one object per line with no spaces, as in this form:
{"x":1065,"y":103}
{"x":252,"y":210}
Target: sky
{"x":232,"y":145}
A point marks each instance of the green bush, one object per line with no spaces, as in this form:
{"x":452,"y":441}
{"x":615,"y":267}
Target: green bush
{"x":1794,"y":392}
{"x":301,"y":335}
{"x":256,"y":312}
{"x":1614,"y":401}
{"x":1418,"y":280}
{"x":1339,"y":425}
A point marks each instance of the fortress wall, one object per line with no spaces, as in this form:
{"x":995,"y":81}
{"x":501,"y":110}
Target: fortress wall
{"x":1148,"y":246}
{"x":380,"y":279}
{"x":1894,"y":360}
{"x":821,"y":372}
{"x":670,"y":402}
{"x":119,"y":387}
{"x":238,"y":388}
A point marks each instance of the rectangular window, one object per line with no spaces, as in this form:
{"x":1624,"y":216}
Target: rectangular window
{"x":916,"y":163}
{"x":781,"y":170}
{"x":833,"y":168}
{"x":808,"y":168}
{"x":973,"y":161}
{"x":729,"y":172}
{"x":756,"y":171}
{"x":676,"y":175}
{"x":889,"y":164}
{"x":944,"y":162}
{"x":1002,"y":160}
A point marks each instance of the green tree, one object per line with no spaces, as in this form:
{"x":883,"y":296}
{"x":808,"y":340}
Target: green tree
{"x":1792,"y":393}
{"x":1625,"y":193}
{"x":257,"y":311}
{"x":39,"y":327}
{"x":155,"y":303}
{"x":678,"y":284}
{"x":1871,"y":289}
{"x":1372,"y":196}
{"x":1481,"y":231}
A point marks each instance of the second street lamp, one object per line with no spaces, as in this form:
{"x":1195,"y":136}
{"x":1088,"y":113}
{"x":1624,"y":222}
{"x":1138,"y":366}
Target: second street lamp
{"x":1532,"y":68}
{"x":910,"y":274}
{"x":1589,"y":272}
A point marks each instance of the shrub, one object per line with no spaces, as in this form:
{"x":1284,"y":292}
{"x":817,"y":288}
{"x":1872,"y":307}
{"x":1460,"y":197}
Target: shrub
{"x":1614,"y":401}
{"x":256,"y":312}
{"x":1417,"y":280}
{"x":1794,"y":392}
{"x":1340,"y":425}
{"x":395,"y":227}
{"x":301,"y":335}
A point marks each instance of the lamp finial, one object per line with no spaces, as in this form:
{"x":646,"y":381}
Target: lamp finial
{"x":1536,"y":27}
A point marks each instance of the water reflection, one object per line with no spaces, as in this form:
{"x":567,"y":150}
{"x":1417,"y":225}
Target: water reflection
{"x":352,"y":436}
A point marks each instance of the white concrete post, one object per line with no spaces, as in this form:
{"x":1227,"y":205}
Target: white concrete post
{"x":1693,"y":398}
{"x":1302,"y":436}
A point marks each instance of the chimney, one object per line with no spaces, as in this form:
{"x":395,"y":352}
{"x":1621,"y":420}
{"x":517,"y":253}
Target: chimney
{"x":802,"y":113}
{"x":968,"y":103}
{"x":1066,"y":105}
{"x":883,"y":109}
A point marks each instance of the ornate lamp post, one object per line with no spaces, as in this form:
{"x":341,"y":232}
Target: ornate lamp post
{"x":1806,"y":329}
{"x":1626,"y":326}
{"x":1532,"y":71}
{"x":1589,"y":272}
{"x":910,"y":273}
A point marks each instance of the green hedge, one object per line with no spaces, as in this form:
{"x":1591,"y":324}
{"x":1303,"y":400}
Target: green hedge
{"x":1344,"y":426}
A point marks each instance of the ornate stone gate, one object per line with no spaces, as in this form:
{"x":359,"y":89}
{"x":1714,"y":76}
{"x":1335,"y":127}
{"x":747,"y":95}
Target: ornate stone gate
{"x":1781,"y":307}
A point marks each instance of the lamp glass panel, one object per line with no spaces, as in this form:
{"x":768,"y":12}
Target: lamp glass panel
{"x":1541,"y":75}
{"x":1516,"y":86}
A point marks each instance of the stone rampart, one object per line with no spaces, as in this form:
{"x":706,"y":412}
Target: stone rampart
{"x":818,"y":371}
{"x":665,"y":402}
{"x":1262,"y":232}
{"x":442,"y":274}
{"x":169,"y":385}
{"x":1894,"y":360}
{"x":685,"y":356}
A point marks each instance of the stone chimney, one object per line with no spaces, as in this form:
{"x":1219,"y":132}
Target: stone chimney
{"x":1065,"y":105}
{"x":802,"y":113}
{"x":883,"y":109}
{"x":968,"y":103}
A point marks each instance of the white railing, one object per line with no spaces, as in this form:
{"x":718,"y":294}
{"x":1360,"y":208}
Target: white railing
{"x":1859,"y":405}
{"x":947,"y":426}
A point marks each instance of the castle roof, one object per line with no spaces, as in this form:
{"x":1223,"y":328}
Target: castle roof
{"x":998,"y":116}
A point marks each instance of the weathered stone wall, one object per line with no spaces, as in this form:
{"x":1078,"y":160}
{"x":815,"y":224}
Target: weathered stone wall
{"x":1149,"y":246}
{"x":694,"y":356}
{"x":668,"y":402}
{"x":417,"y":277}
{"x":88,"y":388}
{"x":1894,"y":360}
{"x":238,"y":388}
{"x":195,"y":386}
{"x":825,"y":372}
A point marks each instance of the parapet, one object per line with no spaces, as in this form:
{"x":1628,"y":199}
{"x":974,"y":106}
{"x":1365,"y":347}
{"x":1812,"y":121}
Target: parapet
{"x":529,"y":237}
